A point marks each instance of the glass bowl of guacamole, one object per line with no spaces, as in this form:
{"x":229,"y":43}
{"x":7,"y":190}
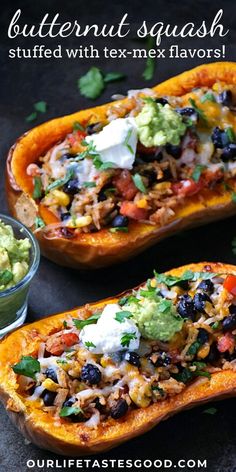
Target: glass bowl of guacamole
{"x":19,"y":260}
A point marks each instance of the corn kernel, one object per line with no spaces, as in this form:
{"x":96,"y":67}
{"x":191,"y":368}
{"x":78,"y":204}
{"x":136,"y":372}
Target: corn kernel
{"x":203,"y":351}
{"x":142,"y":203}
{"x":62,"y":198}
{"x":153,"y":283}
{"x":162,"y":186}
{"x":79,"y":222}
{"x":48,"y":384}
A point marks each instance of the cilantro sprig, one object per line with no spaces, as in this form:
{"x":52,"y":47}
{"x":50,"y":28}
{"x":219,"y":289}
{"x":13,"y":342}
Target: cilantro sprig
{"x":28,"y":366}
{"x":60,"y":182}
{"x":93,"y":83}
{"x":127,"y":338}
{"x":138,"y":182}
{"x":171,"y":280}
{"x":80,"y":324}
{"x":121,"y":316}
{"x":39,"y":107}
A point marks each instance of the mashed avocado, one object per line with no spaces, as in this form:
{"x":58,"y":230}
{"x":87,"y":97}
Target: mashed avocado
{"x":159,"y":125}
{"x":156,"y":318}
{"x":14,"y":257}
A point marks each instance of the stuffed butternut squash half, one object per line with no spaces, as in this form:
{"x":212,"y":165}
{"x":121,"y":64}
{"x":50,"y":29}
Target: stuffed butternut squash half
{"x":103,"y":184}
{"x":85,"y":381}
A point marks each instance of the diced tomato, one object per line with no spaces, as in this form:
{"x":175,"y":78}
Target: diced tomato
{"x":226,"y":343}
{"x":76,"y":137}
{"x":230,"y":284}
{"x":125,"y":185}
{"x":56,"y":345}
{"x":210,"y":177}
{"x":69,"y":339}
{"x":132,"y":211}
{"x":187,"y":187}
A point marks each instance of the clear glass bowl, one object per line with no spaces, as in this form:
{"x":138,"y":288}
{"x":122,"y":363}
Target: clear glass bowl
{"x":14,"y":300}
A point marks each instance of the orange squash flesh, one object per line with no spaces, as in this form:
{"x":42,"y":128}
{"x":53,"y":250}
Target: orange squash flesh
{"x":77,"y":439}
{"x":93,"y":250}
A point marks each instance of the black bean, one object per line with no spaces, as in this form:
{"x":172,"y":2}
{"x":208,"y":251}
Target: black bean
{"x":133,"y":358}
{"x":119,"y":409}
{"x":188,"y":112}
{"x":94,"y":128}
{"x":102,"y":196}
{"x":213,"y":355}
{"x":69,"y":402}
{"x":65,"y":216}
{"x":199,"y":301}
{"x":48,"y":397}
{"x":163,"y":359}
{"x":206,"y":286}
{"x":151,"y":175}
{"x":120,"y":221}
{"x":71,"y":187}
{"x":186,"y":307}
{"x":203,"y":336}
{"x":51,"y":374}
{"x":229,"y":152}
{"x":232,"y":309}
{"x":229,"y":323}
{"x":174,"y":151}
{"x":99,"y":406}
{"x":90,"y":374}
{"x":184,"y":284}
{"x":154,"y":156}
{"x":162,"y":101}
{"x":226,"y":98}
{"x":219,"y":137}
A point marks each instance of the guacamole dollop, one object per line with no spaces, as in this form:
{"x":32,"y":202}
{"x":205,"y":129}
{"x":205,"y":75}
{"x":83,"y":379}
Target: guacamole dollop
{"x":158,"y":125}
{"x":156,"y":318}
{"x":14,"y":257}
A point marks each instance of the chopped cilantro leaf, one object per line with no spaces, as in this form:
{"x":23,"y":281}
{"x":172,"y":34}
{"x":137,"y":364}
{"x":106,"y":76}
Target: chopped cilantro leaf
{"x":117,"y":229}
{"x":197,"y":172}
{"x":126,"y":338}
{"x":41,"y":106}
{"x":39,"y":223}
{"x":91,"y":85}
{"x":60,"y":182}
{"x":113,"y":77}
{"x":70,"y":410}
{"x":138,"y":182}
{"x":89,"y":344}
{"x":27,"y":366}
{"x":37,"y":192}
{"x":209,"y":96}
{"x":79,"y":324}
{"x":121,"y":316}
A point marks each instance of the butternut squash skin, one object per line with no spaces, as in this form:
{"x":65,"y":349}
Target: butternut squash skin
{"x":94,"y":250}
{"x":76,"y":439}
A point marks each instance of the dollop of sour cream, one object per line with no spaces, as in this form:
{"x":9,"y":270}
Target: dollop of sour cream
{"x":107,"y":334}
{"x":117,"y":142}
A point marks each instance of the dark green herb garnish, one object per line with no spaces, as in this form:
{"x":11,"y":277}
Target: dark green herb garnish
{"x":210,"y":411}
{"x":149,"y":70}
{"x":89,"y":184}
{"x":60,"y":182}
{"x":89,"y":344}
{"x":234,"y":245}
{"x":92,"y":84}
{"x":121,"y":229}
{"x":171,"y":280}
{"x":126,"y":142}
{"x":79,"y":324}
{"x":39,"y":223}
{"x":31,"y":117}
{"x":37,"y":192}
{"x":138,"y":182}
{"x":39,"y":107}
{"x":77,"y":126}
{"x":209,"y":96}
{"x":128,"y":299}
{"x":113,"y":77}
{"x":28,"y":366}
{"x":70,"y":410}
{"x":6,"y":276}
{"x":230,"y":134}
{"x":200,"y":112}
{"x":197,"y":172}
{"x":126,"y":338}
{"x":121,"y":316}
{"x":159,"y":390}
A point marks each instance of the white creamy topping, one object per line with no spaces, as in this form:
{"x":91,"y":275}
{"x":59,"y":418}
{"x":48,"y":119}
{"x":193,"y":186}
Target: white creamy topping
{"x":85,"y":171}
{"x":107,"y":334}
{"x":117,"y":142}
